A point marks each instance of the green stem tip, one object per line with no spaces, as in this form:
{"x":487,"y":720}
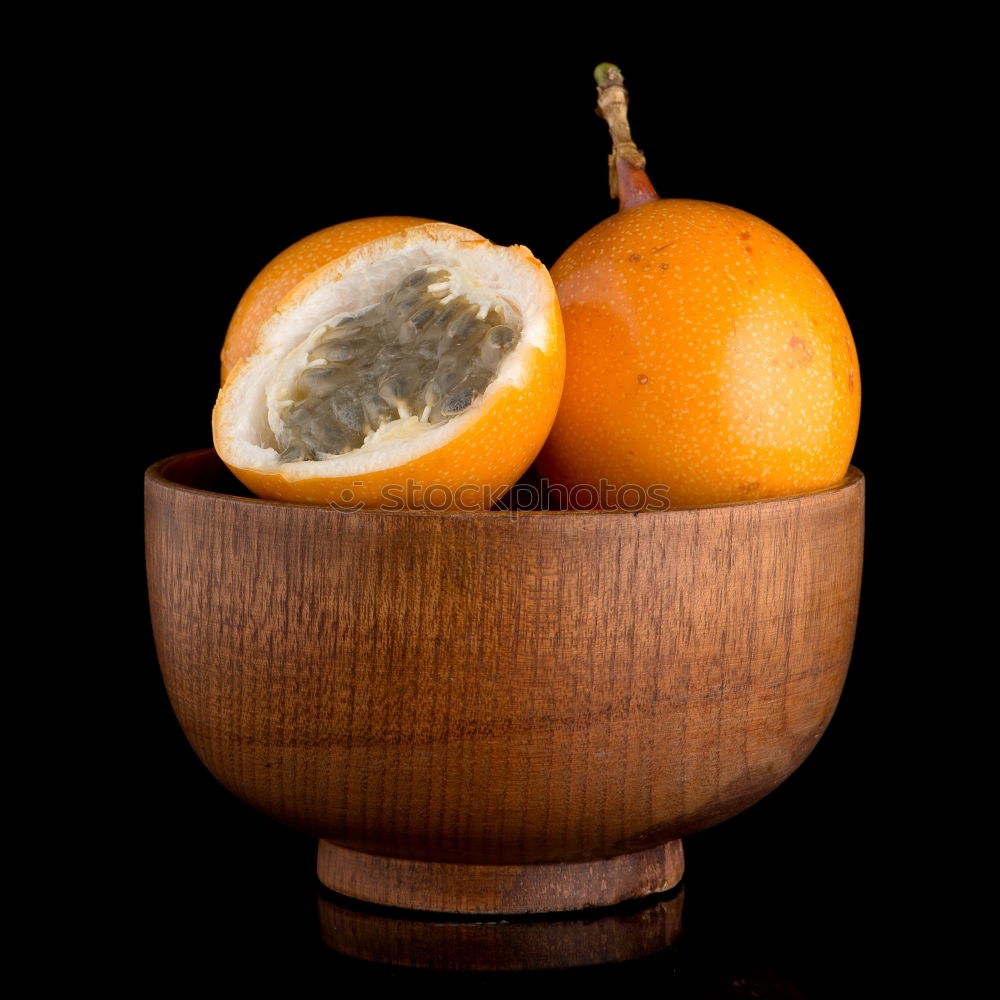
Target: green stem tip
{"x":603,"y":71}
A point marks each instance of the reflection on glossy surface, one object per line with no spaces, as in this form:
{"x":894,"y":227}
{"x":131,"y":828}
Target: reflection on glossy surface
{"x":453,"y":942}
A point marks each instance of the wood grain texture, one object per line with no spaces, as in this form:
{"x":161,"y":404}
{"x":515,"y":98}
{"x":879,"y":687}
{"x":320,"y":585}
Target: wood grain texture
{"x":465,"y":888}
{"x":485,"y":689}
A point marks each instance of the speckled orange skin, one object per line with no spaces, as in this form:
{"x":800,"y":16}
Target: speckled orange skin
{"x":283,"y":273}
{"x":705,"y":352}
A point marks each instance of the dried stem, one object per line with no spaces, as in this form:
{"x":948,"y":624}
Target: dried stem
{"x":627,"y":165}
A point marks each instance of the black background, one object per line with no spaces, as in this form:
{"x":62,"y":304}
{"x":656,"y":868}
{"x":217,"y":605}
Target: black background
{"x":215,"y":157}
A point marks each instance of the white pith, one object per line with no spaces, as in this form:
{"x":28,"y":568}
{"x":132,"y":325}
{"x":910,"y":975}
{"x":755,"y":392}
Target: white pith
{"x":248,"y":414}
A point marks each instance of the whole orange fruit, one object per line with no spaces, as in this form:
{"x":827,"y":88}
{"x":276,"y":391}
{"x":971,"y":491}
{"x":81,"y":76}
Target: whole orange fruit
{"x":293,"y":264}
{"x":705,"y":353}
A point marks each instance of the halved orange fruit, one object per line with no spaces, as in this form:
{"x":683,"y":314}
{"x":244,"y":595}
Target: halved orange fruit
{"x":419,"y":370}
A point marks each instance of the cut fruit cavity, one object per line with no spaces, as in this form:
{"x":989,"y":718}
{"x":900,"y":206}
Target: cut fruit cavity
{"x":424,"y":351}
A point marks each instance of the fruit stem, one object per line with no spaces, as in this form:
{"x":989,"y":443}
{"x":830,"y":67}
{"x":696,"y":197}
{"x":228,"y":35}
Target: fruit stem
{"x":626,"y":164}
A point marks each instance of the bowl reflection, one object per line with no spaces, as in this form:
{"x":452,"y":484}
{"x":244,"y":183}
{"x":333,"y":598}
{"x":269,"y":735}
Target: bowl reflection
{"x":449,"y":942}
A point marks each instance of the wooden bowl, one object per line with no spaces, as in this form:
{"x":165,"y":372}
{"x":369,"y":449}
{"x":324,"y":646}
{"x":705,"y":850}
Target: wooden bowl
{"x":496,"y":713}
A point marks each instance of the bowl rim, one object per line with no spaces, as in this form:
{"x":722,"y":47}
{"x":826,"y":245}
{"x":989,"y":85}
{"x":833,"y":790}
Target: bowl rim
{"x":157,"y":474}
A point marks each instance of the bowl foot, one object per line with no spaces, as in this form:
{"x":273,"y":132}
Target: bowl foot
{"x":458,"y":888}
